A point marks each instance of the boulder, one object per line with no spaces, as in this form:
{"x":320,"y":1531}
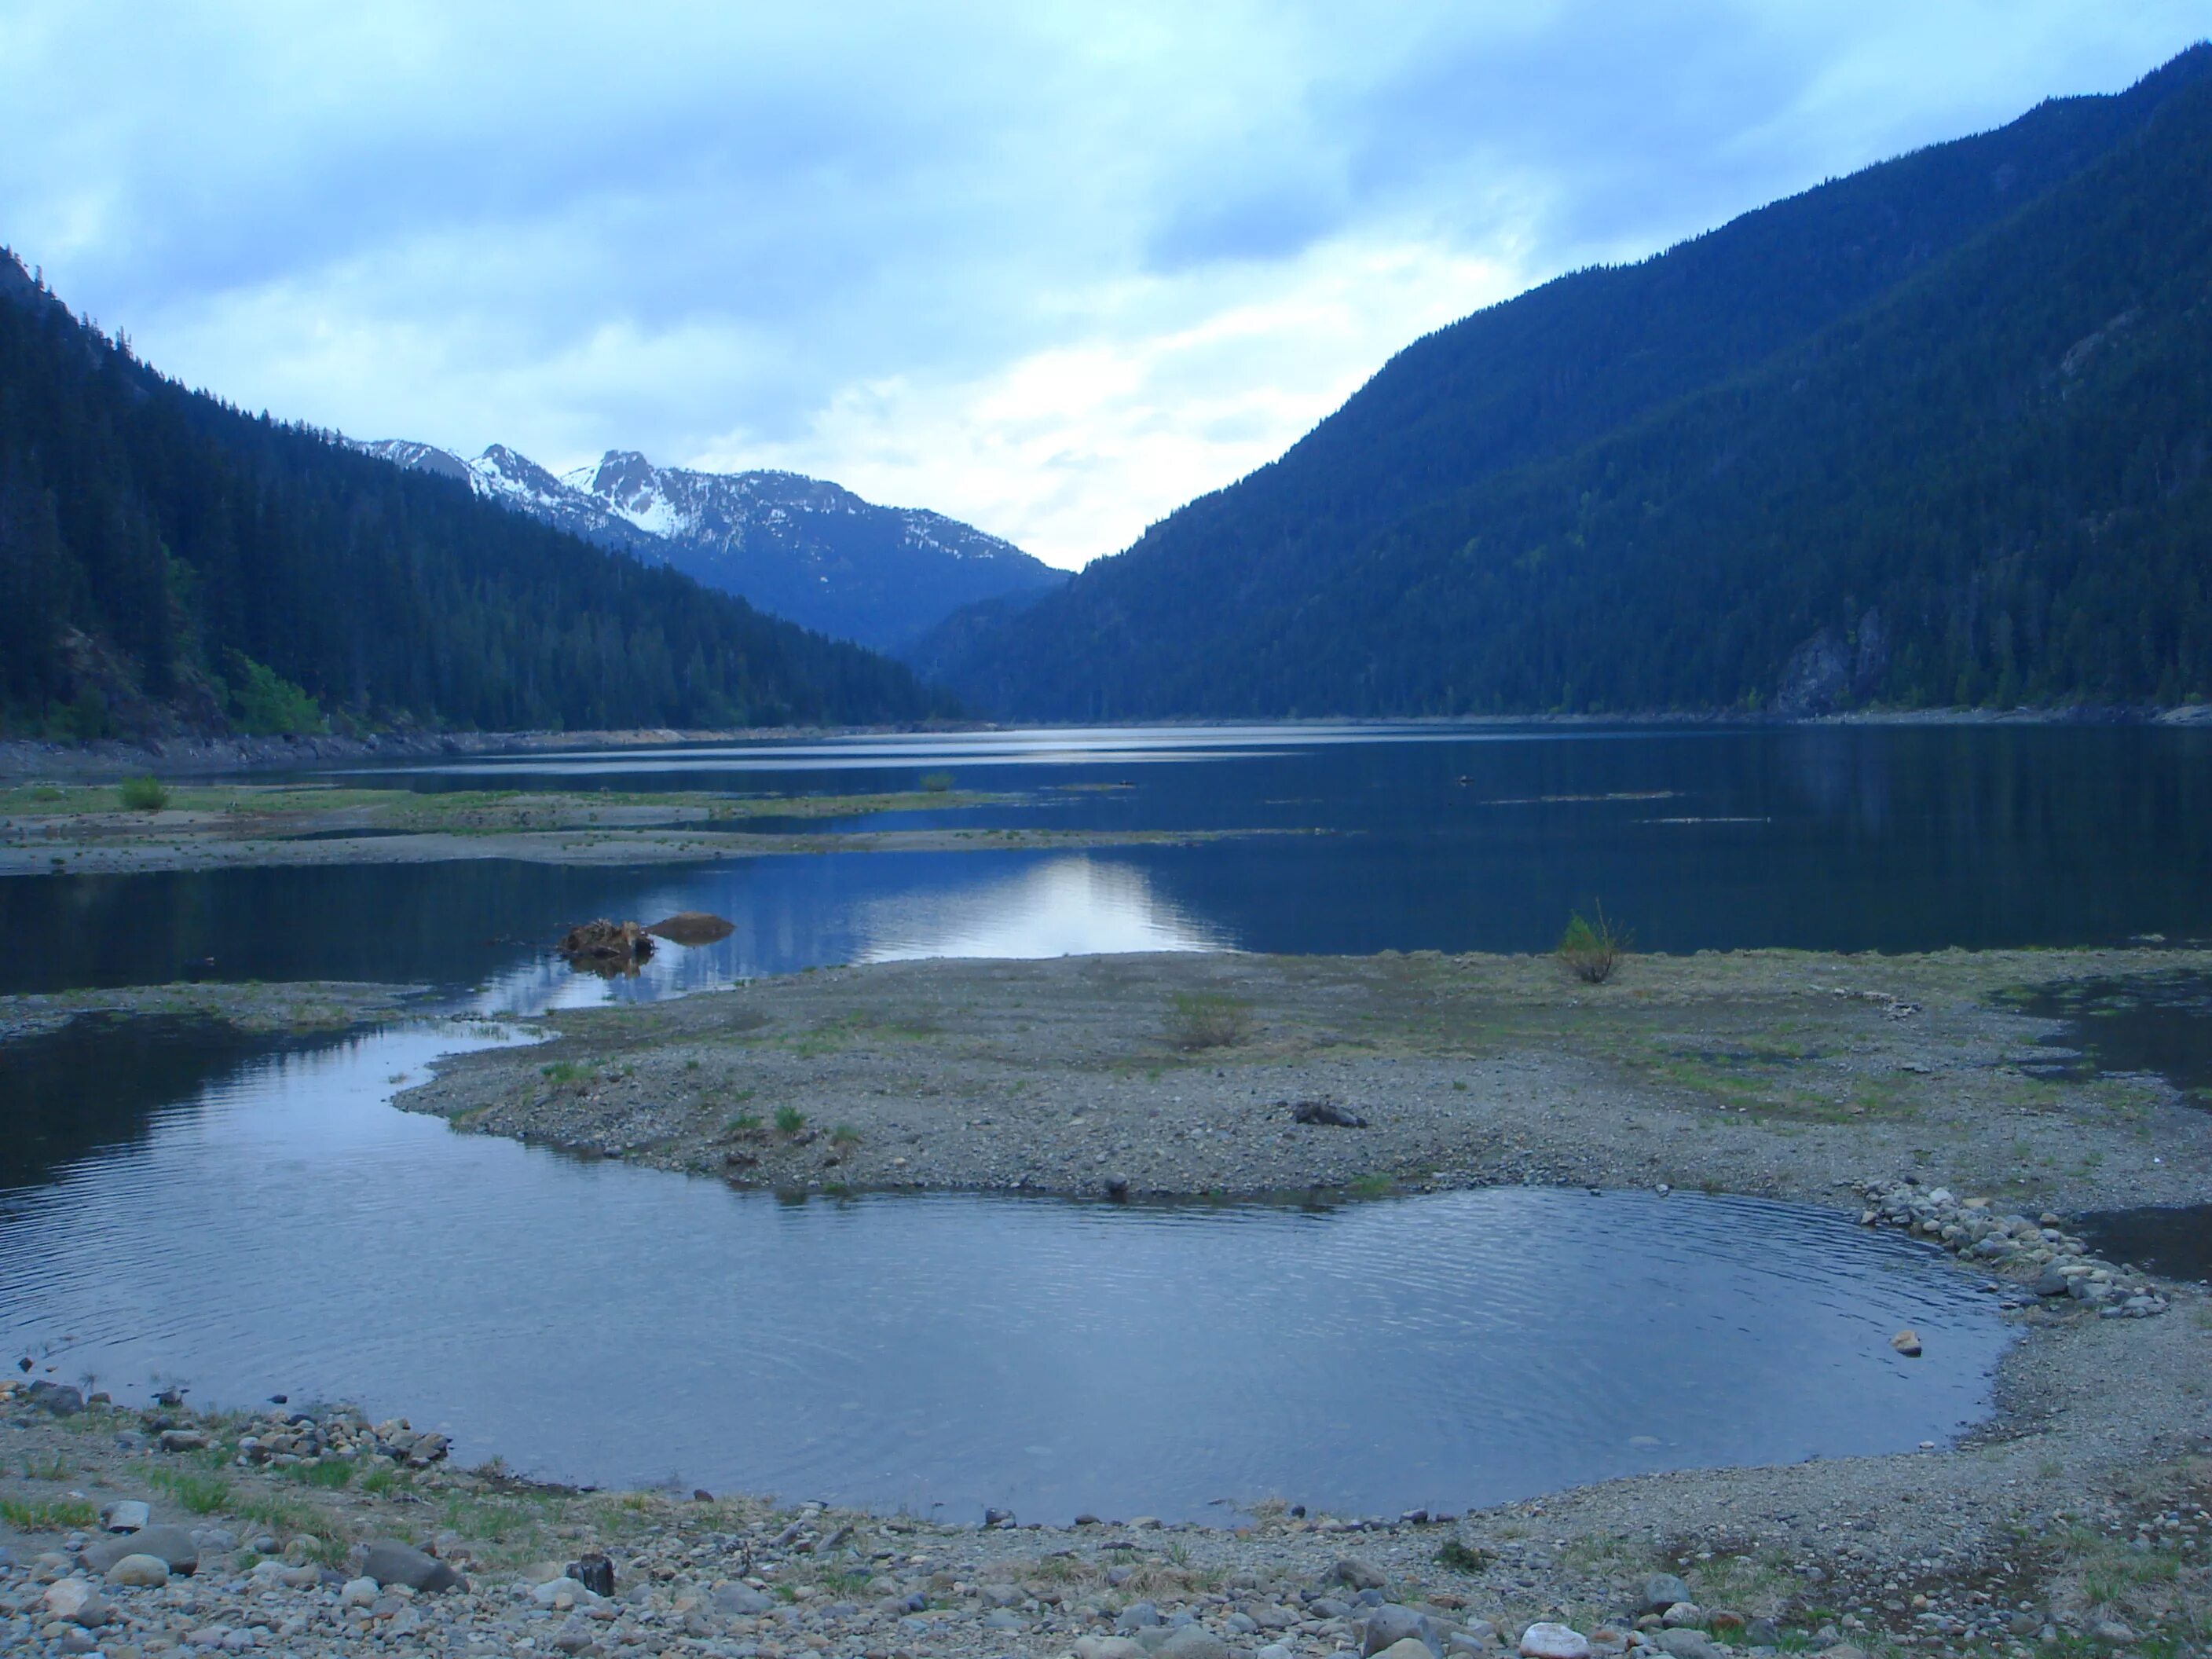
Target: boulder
{"x":76,"y":1600}
{"x":389,"y":1562}
{"x":130,"y":1515}
{"x":60,"y":1398}
{"x":1355,"y":1574}
{"x":1410,"y":1647}
{"x":1661,"y":1591}
{"x":1195,"y":1642}
{"x":1687,"y":1642}
{"x":1550,"y":1641}
{"x":595,"y":1573}
{"x":692,"y":927}
{"x":139,"y":1572}
{"x":171,"y":1546}
{"x":742,"y":1600}
{"x":1390,"y":1625}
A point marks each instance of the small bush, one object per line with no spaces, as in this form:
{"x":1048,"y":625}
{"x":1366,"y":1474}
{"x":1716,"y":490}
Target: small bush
{"x":1207,"y":1019}
{"x":1459,"y":1557}
{"x":744,"y":1123}
{"x":567,"y":1071}
{"x":1592,"y":950}
{"x":789,"y":1120}
{"x":844,"y":1135}
{"x":937,"y":783}
{"x":143,"y":795}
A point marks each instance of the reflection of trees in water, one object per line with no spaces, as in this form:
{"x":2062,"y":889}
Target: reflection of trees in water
{"x":103,"y":1079}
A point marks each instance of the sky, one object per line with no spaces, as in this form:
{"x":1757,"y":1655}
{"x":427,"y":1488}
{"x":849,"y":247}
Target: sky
{"x":1051,"y":269}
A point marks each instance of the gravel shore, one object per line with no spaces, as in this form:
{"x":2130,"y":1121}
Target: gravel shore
{"x":1779,"y":1073}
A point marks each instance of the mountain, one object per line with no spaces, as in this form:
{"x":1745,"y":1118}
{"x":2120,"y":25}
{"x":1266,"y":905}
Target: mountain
{"x":1935,"y":432}
{"x":796,"y":546}
{"x":168,"y":561}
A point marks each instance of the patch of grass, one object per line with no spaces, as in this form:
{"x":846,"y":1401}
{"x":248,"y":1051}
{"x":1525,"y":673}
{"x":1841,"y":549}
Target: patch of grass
{"x":50,"y":1515}
{"x":1591,"y":950}
{"x":54,"y":1468}
{"x":1370,"y":1185}
{"x":1459,"y":1557}
{"x":844,"y":1135}
{"x":279,"y":1515}
{"x":789,"y":1121}
{"x":329,"y":1475}
{"x":567,"y":1071}
{"x":1208,"y":1019}
{"x":142,"y":794}
{"x":382,"y":1481}
{"x":203,"y":1494}
{"x":744,"y":1123}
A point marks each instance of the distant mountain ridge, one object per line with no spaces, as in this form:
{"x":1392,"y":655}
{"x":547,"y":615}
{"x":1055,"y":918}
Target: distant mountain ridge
{"x":1933,"y":433}
{"x":802,"y":548}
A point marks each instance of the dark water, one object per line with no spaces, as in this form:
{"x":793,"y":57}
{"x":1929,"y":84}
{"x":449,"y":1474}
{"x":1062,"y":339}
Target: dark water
{"x":2171,"y":1239}
{"x":276,"y":1227}
{"x":1442,"y":837}
{"x":2158,"y":1023}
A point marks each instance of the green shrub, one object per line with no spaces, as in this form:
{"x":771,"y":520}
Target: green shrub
{"x":937,"y":783}
{"x":203,"y":1494}
{"x":143,"y":795}
{"x":567,"y":1071}
{"x":1207,"y":1019}
{"x":743,"y":1123}
{"x":844,"y":1135}
{"x":267,"y":705}
{"x":1592,"y":950}
{"x":789,"y":1120}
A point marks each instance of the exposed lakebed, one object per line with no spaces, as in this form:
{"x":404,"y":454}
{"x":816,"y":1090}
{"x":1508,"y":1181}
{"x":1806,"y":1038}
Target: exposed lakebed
{"x":280,"y":1228}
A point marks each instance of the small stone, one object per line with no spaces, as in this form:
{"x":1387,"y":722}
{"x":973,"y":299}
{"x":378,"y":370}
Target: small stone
{"x":2111,"y":1633}
{"x":128,"y":1516}
{"x":595,"y":1573}
{"x":1389,"y":1626}
{"x":358,"y":1593}
{"x":742,"y":1600}
{"x":1687,"y":1642}
{"x":183,"y":1440}
{"x":1550,"y":1641}
{"x":1906,"y":1342}
{"x":1411,"y":1648}
{"x":1138,"y":1615}
{"x":139,"y":1572}
{"x":1684,"y":1615}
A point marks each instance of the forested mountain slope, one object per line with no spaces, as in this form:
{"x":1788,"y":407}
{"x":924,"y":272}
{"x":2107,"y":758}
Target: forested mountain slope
{"x":168,"y":562}
{"x":1930,"y":433}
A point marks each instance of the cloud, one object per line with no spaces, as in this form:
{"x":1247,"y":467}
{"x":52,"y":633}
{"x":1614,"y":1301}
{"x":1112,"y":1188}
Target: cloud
{"x":1050,"y":268}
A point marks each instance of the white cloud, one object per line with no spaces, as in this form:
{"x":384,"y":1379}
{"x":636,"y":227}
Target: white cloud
{"x":1050,"y":268}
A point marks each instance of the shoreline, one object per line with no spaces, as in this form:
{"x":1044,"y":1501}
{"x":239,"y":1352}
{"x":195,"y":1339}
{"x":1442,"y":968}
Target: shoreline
{"x":1934,"y":1549}
{"x":191,"y":755}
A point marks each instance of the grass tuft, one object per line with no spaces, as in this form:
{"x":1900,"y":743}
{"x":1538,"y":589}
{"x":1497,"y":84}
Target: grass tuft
{"x":1208,"y":1019}
{"x":203,"y":1494}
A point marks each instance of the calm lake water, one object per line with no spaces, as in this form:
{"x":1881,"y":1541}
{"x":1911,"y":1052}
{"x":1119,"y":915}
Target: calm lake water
{"x":1406,"y":838}
{"x":252,"y":1217}
{"x":276,"y":1227}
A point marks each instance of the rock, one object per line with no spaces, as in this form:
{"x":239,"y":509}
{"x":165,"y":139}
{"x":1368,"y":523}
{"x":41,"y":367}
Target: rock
{"x":2111,"y":1633}
{"x":182,"y":1440}
{"x":388,"y":1561}
{"x":595,"y":1573}
{"x":1725,"y":1622}
{"x":1138,"y":1615}
{"x":1906,"y":1342}
{"x":1762,"y":1633}
{"x":1410,"y":1647}
{"x":58,"y":1398}
{"x":1687,"y":1642}
{"x":1107,"y":1646}
{"x":740,"y":1600}
{"x":560,"y":1594}
{"x":1661,"y":1590}
{"x":358,"y":1593}
{"x":1356,"y":1574}
{"x":1390,"y":1625}
{"x":1684,"y":1615}
{"x":76,"y":1600}
{"x":1002,"y":1619}
{"x":1549,"y":1641}
{"x":139,"y":1572}
{"x":1196,"y":1642}
{"x":128,"y":1515}
{"x":1327,"y":1114}
{"x":171,"y":1546}
{"x":692,"y":927}
{"x":1845,"y":1651}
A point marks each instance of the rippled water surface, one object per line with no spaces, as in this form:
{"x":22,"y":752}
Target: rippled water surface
{"x":268,"y":1224}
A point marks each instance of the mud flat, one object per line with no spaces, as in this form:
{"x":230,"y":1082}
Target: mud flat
{"x":299,"y":1005}
{"x":54,"y":829}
